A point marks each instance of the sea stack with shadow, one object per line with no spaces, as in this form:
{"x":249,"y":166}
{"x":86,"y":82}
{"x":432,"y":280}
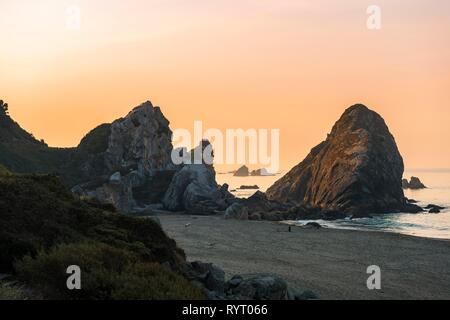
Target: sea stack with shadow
{"x":126,"y":163}
{"x":194,"y":189}
{"x":414,"y":184}
{"x":242,"y":172}
{"x":357,"y":170}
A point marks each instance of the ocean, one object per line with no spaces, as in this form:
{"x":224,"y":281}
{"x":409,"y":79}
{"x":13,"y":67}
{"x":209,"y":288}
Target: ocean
{"x":421,"y":225}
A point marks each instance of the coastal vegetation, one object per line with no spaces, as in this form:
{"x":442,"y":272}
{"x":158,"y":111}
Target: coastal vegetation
{"x":45,"y":229}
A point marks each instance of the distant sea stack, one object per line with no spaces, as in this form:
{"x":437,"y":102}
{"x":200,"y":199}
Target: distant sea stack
{"x":356,"y":170}
{"x":242,"y":172}
{"x":414,"y":184}
{"x":261,"y":172}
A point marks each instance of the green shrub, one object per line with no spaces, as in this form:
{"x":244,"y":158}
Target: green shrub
{"x":37,"y":213}
{"x":12,"y":293}
{"x":4,"y":171}
{"x":96,"y":141}
{"x":106,"y":273}
{"x":44,"y":229}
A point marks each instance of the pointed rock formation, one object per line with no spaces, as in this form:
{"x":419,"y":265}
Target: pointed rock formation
{"x":414,"y":184}
{"x":117,"y":163}
{"x":356,"y":170}
{"x":194,"y":188}
{"x":242,"y":171}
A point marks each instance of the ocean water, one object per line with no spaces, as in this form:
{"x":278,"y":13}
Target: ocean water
{"x":422,"y":225}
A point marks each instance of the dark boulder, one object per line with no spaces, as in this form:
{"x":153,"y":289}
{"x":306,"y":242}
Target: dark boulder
{"x":313,"y":225}
{"x":244,"y":187}
{"x":431,"y":206}
{"x":259,"y":202}
{"x":261,"y":287}
{"x":194,"y":189}
{"x":412,"y":208}
{"x":234,"y":282}
{"x":434,"y":210}
{"x":255,"y":216}
{"x":306,"y":295}
{"x":236,"y":211}
{"x":211,"y":280}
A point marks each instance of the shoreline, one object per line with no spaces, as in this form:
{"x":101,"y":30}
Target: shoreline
{"x":294,"y":223}
{"x":330,"y":262}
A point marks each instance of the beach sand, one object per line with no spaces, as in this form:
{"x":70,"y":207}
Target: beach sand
{"x":331,"y":263}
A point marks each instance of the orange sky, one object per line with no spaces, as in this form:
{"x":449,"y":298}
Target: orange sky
{"x":292,"y":65}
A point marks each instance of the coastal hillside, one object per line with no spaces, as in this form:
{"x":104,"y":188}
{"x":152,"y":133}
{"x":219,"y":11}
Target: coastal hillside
{"x":21,"y":152}
{"x":126,"y":163}
{"x":44,"y":229}
{"x":109,"y":148}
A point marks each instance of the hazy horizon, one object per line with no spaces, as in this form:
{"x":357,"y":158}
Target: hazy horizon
{"x":291,"y":65}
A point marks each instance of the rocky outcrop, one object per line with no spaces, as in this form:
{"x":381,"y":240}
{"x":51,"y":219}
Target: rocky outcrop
{"x":236,"y":211}
{"x":259,"y":287}
{"x":242,"y":171}
{"x":356,"y":170}
{"x":211,"y":280}
{"x":127,"y":163}
{"x":432,"y":208}
{"x":194,"y":189}
{"x":244,"y":187}
{"x":256,"y":207}
{"x":114,"y":162}
{"x":405,"y":184}
{"x":414,"y":184}
{"x":261,"y":172}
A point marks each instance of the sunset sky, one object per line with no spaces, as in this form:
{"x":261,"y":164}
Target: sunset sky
{"x":290,"y":65}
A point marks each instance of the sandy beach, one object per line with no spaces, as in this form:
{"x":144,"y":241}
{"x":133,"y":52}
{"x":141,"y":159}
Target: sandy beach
{"x":331,"y":263}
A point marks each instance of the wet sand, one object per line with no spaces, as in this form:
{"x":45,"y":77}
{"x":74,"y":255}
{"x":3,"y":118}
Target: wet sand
{"x":331,"y":263}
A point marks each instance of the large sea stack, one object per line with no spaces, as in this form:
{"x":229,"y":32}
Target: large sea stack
{"x":356,"y":170}
{"x":194,"y":189}
{"x":126,"y":163}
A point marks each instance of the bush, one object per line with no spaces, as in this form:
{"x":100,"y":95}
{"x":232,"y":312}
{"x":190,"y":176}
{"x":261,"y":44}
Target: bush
{"x":4,"y":171}
{"x":12,"y":293}
{"x":106,"y":273}
{"x":37,"y":213}
{"x":44,"y":229}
